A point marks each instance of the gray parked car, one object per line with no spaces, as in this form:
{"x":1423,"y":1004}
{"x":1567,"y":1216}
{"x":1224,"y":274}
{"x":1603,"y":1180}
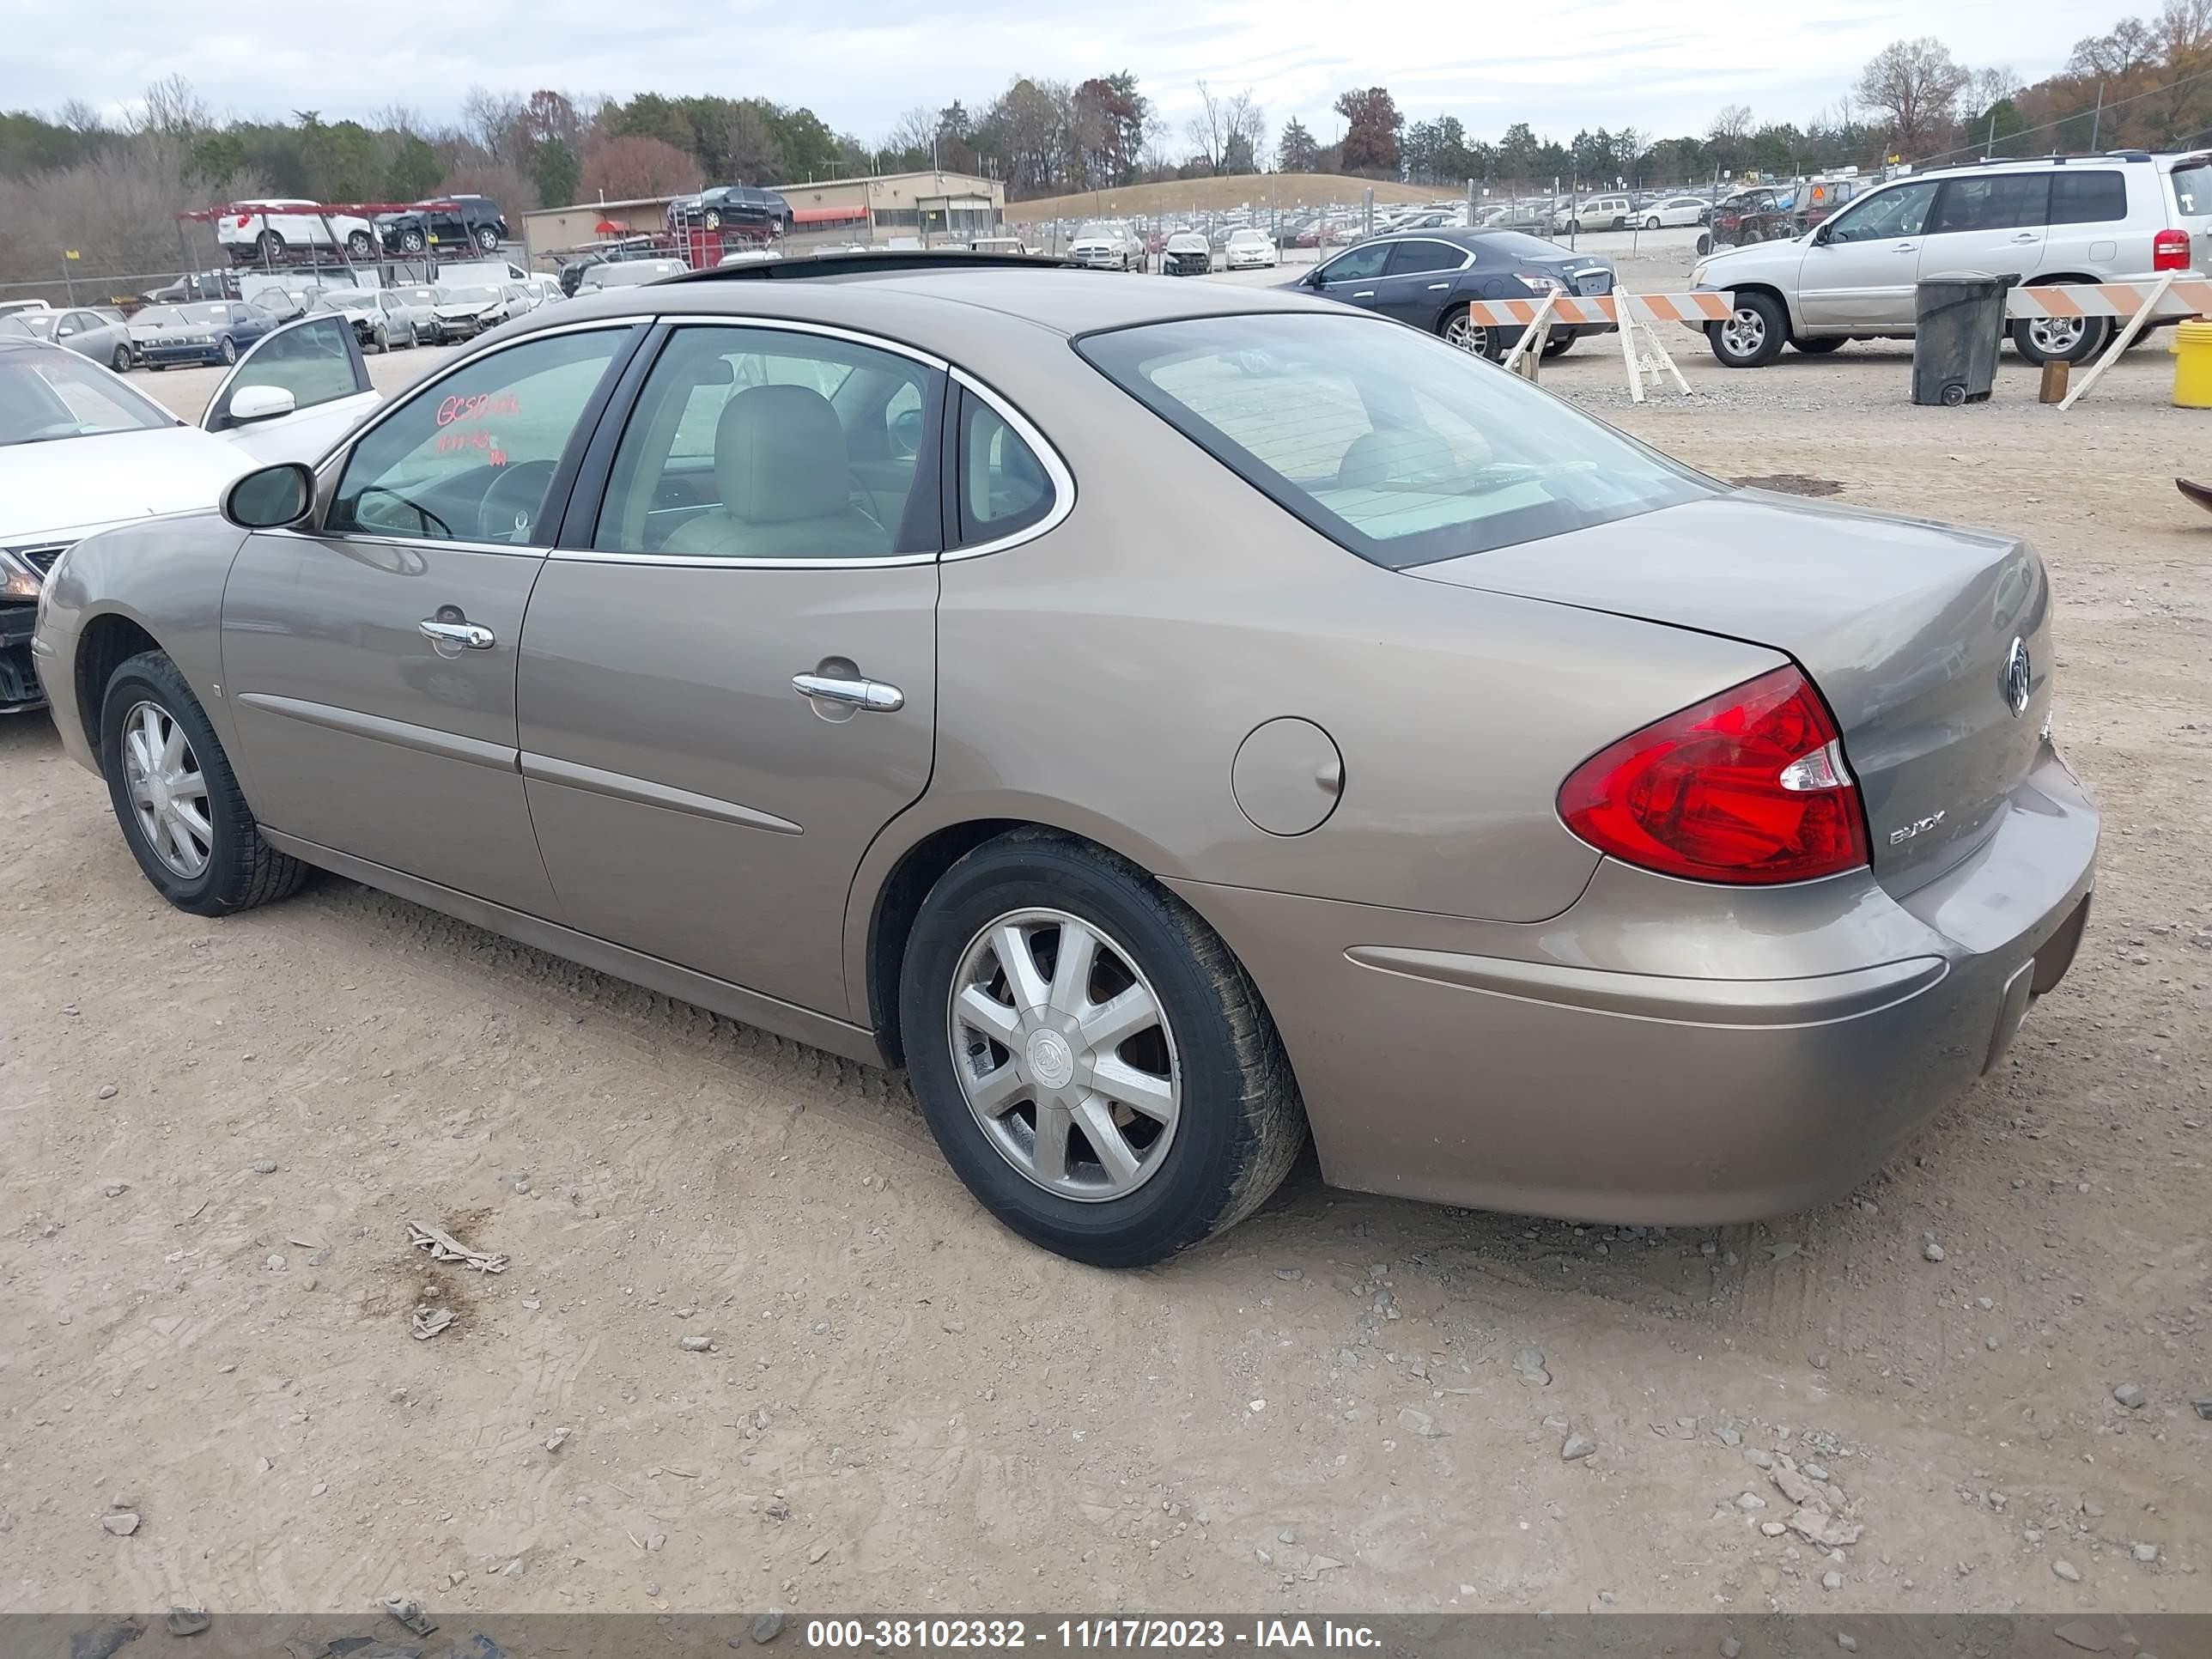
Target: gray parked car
{"x":1545,"y":825}
{"x":100,"y":335}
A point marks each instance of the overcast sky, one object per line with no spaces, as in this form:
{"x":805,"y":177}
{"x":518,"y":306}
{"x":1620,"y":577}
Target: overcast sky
{"x":858,"y":63}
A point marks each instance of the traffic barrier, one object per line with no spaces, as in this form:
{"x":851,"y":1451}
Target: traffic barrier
{"x":1695,"y":309}
{"x":2068,"y":300}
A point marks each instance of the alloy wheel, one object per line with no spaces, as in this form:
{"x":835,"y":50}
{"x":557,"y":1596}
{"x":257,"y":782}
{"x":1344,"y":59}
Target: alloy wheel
{"x":1744,"y":333}
{"x":1468,"y":335}
{"x":1064,"y":1054}
{"x":2055,"y":337}
{"x":168,"y":793}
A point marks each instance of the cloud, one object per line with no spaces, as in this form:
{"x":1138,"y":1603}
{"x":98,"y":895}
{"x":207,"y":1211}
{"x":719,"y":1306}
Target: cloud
{"x":858,"y":63}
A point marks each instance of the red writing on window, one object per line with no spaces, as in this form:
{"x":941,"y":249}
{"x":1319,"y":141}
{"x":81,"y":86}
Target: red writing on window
{"x":483,"y":403}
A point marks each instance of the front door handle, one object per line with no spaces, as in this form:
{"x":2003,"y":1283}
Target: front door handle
{"x":1364,"y":294}
{"x":874,"y":696}
{"x":474,"y":636}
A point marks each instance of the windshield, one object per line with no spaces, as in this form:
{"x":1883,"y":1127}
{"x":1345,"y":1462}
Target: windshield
{"x":207,"y":314}
{"x":1105,"y":230}
{"x":39,"y":323}
{"x":469,"y":296}
{"x":49,"y":393}
{"x":1393,"y":445}
{"x":351,"y":302}
{"x":157,"y":316}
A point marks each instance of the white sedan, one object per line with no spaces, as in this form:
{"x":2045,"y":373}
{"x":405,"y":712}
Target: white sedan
{"x":82,"y":449}
{"x":1673,"y":211}
{"x":1248,"y":249}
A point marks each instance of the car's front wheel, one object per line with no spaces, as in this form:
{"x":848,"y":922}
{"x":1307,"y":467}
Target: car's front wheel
{"x":488,"y":239}
{"x":1095,"y":1066}
{"x":1754,"y":335}
{"x":379,"y":338}
{"x":359,"y":245}
{"x":177,"y":798}
{"x":227,"y":350}
{"x":411,"y":242}
{"x":120,"y":363}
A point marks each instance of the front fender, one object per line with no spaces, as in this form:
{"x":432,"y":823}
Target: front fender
{"x":164,"y":576}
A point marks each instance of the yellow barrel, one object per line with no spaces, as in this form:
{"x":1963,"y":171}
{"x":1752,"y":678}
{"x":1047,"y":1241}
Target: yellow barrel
{"x":2192,"y":365}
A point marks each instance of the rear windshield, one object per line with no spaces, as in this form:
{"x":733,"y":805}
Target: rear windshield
{"x":2192,"y":189}
{"x":1400,"y":447}
{"x":1515,"y":245}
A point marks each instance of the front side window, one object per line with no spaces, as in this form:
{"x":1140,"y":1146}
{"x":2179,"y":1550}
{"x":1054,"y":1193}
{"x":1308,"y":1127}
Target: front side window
{"x":1901,"y":210}
{"x":1388,"y":442}
{"x":314,"y":360}
{"x":1359,"y":264}
{"x":759,"y":443}
{"x":472,"y":456}
{"x":2001,"y":201}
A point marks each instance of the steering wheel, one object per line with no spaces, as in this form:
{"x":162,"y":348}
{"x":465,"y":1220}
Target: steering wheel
{"x":509,"y":510}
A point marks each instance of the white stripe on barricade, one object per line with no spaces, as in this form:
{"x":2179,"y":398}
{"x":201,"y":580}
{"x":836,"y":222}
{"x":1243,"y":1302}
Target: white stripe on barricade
{"x":2177,"y":298}
{"x":1589,"y":310}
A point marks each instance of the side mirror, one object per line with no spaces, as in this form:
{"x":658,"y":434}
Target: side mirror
{"x":261,"y":403}
{"x":271,"y":497}
{"x":1314,"y":278}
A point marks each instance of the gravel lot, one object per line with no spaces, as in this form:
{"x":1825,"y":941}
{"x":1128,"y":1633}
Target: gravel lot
{"x":903,"y":1407}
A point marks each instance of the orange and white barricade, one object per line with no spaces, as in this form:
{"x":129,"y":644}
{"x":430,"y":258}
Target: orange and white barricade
{"x":1630,"y":314}
{"x":2170,"y":297}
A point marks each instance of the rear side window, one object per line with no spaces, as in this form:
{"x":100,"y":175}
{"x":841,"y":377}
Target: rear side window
{"x":2002,"y":201}
{"x":1386,"y":441}
{"x":1410,"y":259}
{"x":1004,"y":488}
{"x":2192,"y":189}
{"x":2088,"y":198}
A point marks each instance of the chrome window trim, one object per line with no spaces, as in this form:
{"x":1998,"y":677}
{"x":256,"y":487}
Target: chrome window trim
{"x":1465,"y":257}
{"x":350,"y":539}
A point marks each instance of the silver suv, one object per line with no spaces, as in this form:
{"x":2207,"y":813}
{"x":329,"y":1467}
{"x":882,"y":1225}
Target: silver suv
{"x":2126,"y":217}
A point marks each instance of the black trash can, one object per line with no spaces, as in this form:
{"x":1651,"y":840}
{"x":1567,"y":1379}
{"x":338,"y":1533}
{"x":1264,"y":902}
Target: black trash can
{"x":1960,"y":323}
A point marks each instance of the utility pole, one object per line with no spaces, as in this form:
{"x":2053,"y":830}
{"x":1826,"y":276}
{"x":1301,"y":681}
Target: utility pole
{"x":2098,"y":119}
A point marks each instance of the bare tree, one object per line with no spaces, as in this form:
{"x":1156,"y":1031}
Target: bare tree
{"x":1208,"y":129}
{"x":173,"y":108}
{"x":749,"y":144}
{"x":914,"y":133}
{"x":1915,"y":85}
{"x":82,"y":118}
{"x":1244,"y":134}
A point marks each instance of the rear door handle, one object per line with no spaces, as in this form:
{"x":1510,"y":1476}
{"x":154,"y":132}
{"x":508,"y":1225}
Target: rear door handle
{"x":474,"y":636}
{"x":2028,"y":236}
{"x":874,"y":696}
{"x":1439,"y":288}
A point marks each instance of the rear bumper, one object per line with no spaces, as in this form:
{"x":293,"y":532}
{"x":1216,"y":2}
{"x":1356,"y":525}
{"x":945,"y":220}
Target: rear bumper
{"x":1664,"y":1053}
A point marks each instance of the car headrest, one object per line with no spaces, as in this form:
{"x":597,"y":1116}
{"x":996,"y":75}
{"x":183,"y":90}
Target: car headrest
{"x":780,"y":455}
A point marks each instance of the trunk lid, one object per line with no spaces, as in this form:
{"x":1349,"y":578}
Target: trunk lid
{"x":1907,"y":629}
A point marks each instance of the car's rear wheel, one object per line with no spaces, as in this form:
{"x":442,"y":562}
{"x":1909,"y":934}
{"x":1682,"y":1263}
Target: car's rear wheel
{"x":1754,"y":335}
{"x":410,"y":241}
{"x":1460,"y":328}
{"x":359,"y":245}
{"x":270,"y":244}
{"x":174,"y":794}
{"x":120,"y":363}
{"x":1559,"y":346}
{"x":1094,"y":1063}
{"x":2060,"y":339}
{"x":488,"y":239}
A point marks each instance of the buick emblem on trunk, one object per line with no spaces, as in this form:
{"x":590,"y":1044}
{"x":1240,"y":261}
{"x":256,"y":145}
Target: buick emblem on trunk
{"x":2017,"y":679}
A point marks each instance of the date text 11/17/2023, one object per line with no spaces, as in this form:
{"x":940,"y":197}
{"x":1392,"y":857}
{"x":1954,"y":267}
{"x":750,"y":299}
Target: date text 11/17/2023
{"x":937,"y":1634}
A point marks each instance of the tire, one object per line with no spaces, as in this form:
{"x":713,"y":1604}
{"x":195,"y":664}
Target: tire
{"x":411,"y":242}
{"x":1238,"y":1126}
{"x":1754,"y":337}
{"x":713,"y":220}
{"x":487,"y":239}
{"x":2055,"y":340}
{"x":227,"y":351}
{"x":1457,"y":329}
{"x":269,"y":246}
{"x":120,"y":363}
{"x":1558,"y":345}
{"x":1819,"y":345}
{"x":1705,"y":243}
{"x":238,"y":869}
{"x":359,"y":245}
{"x":1651,"y":223}
{"x":380,"y":339}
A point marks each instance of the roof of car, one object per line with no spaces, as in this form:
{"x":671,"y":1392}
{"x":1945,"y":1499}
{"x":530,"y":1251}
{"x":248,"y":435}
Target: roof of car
{"x":934,"y":304}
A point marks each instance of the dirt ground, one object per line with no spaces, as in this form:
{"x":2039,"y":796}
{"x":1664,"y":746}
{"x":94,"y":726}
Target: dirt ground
{"x":903,"y":1407}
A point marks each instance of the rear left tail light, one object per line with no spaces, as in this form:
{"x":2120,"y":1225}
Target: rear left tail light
{"x":1748,"y":787}
{"x":2169,"y":251}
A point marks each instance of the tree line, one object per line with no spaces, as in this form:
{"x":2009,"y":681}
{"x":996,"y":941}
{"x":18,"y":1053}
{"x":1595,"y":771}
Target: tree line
{"x":112,"y":188}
